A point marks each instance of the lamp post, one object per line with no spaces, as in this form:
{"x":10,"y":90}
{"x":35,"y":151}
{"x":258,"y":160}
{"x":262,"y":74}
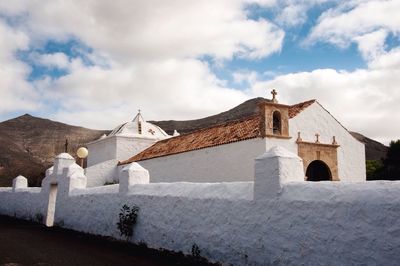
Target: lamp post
{"x":82,"y":153}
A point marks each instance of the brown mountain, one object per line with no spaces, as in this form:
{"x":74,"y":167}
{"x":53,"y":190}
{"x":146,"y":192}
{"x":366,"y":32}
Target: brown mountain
{"x":245,"y":109}
{"x":374,"y":150}
{"x":29,"y":144}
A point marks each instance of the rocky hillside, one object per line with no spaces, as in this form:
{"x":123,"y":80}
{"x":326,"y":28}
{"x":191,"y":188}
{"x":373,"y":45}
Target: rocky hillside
{"x":245,"y":109}
{"x":29,"y":144}
{"x":374,"y":150}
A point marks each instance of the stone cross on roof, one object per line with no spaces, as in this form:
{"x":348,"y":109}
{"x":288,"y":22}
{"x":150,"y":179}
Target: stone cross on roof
{"x":274,"y":93}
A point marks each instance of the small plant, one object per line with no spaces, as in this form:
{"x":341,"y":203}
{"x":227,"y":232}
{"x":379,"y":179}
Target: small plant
{"x":142,"y":244}
{"x":108,"y":183}
{"x":127,"y":219}
{"x":39,"y":218}
{"x":59,"y":223}
{"x":196,"y":251}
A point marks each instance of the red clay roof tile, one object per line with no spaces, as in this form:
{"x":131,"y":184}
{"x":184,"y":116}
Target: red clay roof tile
{"x":229,"y":132}
{"x":298,"y":108}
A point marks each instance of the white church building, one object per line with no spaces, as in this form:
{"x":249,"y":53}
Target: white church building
{"x":239,"y":191}
{"x":226,"y":152}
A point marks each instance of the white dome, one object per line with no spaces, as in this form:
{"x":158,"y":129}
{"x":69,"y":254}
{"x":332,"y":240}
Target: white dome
{"x":138,"y":127}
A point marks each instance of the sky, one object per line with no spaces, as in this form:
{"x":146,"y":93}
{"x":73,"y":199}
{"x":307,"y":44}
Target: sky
{"x":94,"y":63}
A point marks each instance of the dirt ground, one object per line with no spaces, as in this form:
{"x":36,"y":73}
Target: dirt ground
{"x":26,"y":243}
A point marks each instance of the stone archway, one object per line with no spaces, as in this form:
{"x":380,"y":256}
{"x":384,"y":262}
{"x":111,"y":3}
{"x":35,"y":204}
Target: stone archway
{"x":315,"y":151}
{"x":318,"y":171}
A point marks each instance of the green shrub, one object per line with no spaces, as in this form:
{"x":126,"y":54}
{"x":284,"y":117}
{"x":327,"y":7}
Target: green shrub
{"x":374,"y":169}
{"x":39,"y":218}
{"x":127,"y":219}
{"x":196,"y":251}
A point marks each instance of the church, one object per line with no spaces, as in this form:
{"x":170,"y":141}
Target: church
{"x":226,"y":152}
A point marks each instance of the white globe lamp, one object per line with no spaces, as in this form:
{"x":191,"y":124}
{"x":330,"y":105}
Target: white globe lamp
{"x":82,"y":153}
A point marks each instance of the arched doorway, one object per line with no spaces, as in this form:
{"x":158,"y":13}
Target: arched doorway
{"x":318,"y":171}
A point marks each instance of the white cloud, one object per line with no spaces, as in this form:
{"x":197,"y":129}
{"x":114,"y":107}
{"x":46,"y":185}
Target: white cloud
{"x":143,"y":30}
{"x":145,"y":54}
{"x":15,"y":92}
{"x":245,"y":76}
{"x":372,"y":45}
{"x":58,"y":60}
{"x":360,"y":22}
{"x":292,"y":15}
{"x":294,"y":12}
{"x":387,"y":60}
{"x":364,"y":100}
{"x":179,"y":89}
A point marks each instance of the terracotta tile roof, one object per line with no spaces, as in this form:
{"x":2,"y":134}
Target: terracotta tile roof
{"x":298,"y":108}
{"x":229,"y":132}
{"x":208,"y":137}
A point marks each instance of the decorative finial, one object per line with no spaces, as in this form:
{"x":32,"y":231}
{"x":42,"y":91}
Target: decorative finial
{"x":334,"y":141}
{"x":176,"y":133}
{"x":299,"y":137}
{"x":274,"y":93}
{"x":317,"y":140}
{"x":139,"y":111}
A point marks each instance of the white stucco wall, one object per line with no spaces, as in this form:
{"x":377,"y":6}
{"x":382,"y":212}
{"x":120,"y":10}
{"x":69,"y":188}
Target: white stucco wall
{"x":321,"y":223}
{"x":26,"y":203}
{"x":101,"y":173}
{"x":101,"y":150}
{"x":128,"y":146}
{"x":351,"y":153}
{"x":296,"y":223}
{"x":326,"y":229}
{"x":105,"y":153}
{"x":224,"y":163}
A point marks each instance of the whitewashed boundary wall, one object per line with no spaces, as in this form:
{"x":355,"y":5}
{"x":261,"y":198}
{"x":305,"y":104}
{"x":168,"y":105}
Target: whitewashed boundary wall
{"x":102,"y":173}
{"x":21,"y":201}
{"x":325,"y":223}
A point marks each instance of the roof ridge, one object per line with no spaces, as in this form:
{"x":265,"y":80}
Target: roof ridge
{"x":243,"y":128}
{"x":300,"y":103}
{"x":192,"y":140}
{"x":230,"y":122}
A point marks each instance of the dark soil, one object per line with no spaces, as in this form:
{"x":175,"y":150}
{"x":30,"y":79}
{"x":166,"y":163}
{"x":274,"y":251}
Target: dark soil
{"x":27,"y":243}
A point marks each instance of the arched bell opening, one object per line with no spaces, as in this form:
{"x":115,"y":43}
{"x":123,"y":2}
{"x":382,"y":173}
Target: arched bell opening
{"x":276,"y":123}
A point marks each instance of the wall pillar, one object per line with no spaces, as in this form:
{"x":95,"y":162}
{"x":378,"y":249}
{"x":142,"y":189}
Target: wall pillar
{"x":132,"y":174}
{"x":19,"y":182}
{"x":273,"y":169}
{"x":60,"y":179}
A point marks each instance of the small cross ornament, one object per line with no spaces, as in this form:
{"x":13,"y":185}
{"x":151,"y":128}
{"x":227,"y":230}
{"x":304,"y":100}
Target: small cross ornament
{"x":317,"y":140}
